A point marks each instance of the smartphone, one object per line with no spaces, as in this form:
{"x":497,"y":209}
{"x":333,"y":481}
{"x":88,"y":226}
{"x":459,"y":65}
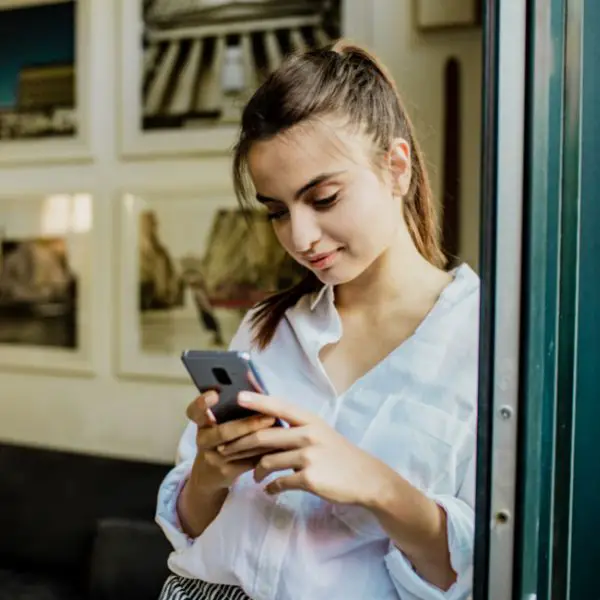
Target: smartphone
{"x":226,"y":372}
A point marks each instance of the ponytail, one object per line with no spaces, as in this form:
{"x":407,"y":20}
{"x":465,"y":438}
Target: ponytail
{"x":419,"y":208}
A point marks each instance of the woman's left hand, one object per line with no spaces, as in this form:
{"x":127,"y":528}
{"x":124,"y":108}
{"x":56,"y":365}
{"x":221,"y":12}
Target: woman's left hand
{"x":325,"y":463}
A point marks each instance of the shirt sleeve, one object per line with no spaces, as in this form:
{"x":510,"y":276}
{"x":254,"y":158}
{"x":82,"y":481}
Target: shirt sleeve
{"x":461,"y":525}
{"x":166,"y":507}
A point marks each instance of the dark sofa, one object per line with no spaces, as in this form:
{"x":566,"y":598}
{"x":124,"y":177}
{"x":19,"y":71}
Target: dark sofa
{"x":79,"y":527}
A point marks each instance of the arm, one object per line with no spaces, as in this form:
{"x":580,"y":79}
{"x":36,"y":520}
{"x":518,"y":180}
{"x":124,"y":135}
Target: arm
{"x":184,"y":508}
{"x":430,"y":537}
{"x":416,"y":525}
{"x":196,"y":508}
{"x":193,"y":493}
{"x":167,"y":515}
{"x":438,"y":564}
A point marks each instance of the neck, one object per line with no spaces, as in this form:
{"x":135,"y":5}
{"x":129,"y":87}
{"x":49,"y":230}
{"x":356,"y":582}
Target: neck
{"x":400,"y":277}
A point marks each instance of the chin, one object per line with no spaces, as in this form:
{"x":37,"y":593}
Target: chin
{"x":336,"y":275}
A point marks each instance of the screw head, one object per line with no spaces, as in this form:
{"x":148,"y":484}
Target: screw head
{"x":506,"y":412}
{"x":502,"y":517}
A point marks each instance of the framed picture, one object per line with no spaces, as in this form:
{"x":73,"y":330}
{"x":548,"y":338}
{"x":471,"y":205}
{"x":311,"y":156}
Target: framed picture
{"x":189,"y":67}
{"x":191,"y":264}
{"x":44,"y":80}
{"x":45,"y":277}
{"x":432,"y":15}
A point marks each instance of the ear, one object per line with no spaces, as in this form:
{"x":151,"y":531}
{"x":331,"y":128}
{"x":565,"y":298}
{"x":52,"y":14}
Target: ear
{"x":400,"y":166}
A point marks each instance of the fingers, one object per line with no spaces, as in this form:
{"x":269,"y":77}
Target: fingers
{"x":293,"y":459}
{"x":297,"y":481}
{"x":211,"y":437}
{"x":228,"y":471}
{"x":244,"y":455}
{"x":199,"y":411}
{"x":275,"y":438}
{"x":275,"y":407}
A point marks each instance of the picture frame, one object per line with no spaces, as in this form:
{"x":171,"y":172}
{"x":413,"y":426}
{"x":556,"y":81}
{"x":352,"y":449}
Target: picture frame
{"x":46,"y":259}
{"x":189,"y":268}
{"x":183,"y":85}
{"x":441,"y":15}
{"x":44,"y":96}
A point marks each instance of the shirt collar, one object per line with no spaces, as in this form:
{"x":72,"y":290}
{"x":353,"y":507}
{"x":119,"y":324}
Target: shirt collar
{"x":317,"y":297}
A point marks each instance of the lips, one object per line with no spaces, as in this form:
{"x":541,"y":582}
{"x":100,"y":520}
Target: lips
{"x":324,"y":260}
{"x":319,"y":257}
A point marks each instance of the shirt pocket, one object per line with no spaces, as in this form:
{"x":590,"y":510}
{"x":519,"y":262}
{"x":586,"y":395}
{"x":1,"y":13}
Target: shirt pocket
{"x":420,"y":441}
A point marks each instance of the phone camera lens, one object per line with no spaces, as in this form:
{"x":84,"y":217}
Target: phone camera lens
{"x":221,"y":376}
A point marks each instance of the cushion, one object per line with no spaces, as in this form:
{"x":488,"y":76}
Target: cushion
{"x":22,"y":585}
{"x":129,"y":560}
{"x":51,"y":502}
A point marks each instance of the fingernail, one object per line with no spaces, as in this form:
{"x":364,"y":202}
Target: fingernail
{"x":245,"y":398}
{"x":221,"y":448}
{"x":211,"y":396}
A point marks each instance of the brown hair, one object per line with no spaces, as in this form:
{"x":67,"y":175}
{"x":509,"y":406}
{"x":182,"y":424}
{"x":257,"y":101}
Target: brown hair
{"x":345,"y":80}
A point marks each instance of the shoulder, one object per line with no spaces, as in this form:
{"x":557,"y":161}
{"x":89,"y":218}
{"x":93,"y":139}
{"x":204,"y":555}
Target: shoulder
{"x":464,"y":303}
{"x":459,"y":339}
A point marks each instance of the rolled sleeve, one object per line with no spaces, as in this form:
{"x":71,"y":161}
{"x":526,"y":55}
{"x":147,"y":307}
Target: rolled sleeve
{"x":460,"y":523}
{"x":166,"y":506}
{"x":460,"y":520}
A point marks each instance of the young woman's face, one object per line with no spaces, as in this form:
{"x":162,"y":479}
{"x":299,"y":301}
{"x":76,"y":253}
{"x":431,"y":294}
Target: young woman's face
{"x":330,"y":209}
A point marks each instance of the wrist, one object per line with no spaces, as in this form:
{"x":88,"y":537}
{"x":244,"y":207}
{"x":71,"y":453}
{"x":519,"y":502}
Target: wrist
{"x":382,"y":490}
{"x":197,"y":507}
{"x":414,"y":520}
{"x":202,"y":482}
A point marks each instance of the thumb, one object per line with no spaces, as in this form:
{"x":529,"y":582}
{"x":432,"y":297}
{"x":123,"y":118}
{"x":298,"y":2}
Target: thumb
{"x":199,"y":411}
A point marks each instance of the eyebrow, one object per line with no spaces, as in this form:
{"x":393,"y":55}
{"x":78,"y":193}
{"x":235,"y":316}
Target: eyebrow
{"x":305,"y":188}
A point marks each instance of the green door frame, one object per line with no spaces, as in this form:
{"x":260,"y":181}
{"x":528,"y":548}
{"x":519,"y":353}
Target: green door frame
{"x":585,"y":521}
{"x":538,"y":280}
{"x":541,"y":298}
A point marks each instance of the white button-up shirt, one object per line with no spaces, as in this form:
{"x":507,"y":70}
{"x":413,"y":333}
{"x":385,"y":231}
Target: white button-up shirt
{"x":415,"y":411}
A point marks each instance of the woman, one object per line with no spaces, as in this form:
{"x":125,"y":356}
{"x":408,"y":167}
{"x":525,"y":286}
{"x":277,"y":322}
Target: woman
{"x":372,"y":360}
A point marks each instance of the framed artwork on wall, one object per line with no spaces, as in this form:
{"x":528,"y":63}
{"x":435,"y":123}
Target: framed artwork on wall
{"x":191,"y":264}
{"x":189,"y":67}
{"x":45,"y":281}
{"x":44,"y":80}
{"x":433,"y":15}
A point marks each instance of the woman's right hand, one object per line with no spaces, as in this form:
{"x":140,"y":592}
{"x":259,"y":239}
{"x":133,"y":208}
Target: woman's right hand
{"x":211,"y":473}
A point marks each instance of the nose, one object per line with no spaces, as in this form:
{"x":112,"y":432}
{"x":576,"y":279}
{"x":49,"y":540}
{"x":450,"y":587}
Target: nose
{"x":305,"y":230}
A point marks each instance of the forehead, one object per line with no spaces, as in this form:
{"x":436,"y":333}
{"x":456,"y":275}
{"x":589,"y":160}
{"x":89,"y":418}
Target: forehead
{"x":286,"y":162}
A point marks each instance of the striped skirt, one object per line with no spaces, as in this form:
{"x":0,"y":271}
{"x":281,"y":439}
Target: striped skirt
{"x":180,"y":588}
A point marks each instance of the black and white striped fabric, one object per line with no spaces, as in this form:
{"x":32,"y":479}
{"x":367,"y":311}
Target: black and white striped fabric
{"x":180,"y":588}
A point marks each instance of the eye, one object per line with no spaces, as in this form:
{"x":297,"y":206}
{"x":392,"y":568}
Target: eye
{"x":326,"y":202}
{"x":276,"y":215}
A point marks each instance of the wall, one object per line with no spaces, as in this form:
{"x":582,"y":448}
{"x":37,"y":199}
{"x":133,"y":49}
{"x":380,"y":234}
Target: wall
{"x":417,"y":62}
{"x":105,"y":415}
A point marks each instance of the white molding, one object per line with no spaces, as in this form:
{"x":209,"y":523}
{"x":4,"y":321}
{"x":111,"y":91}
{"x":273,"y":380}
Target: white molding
{"x":80,"y":360}
{"x":78,"y":147}
{"x":131,"y":360}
